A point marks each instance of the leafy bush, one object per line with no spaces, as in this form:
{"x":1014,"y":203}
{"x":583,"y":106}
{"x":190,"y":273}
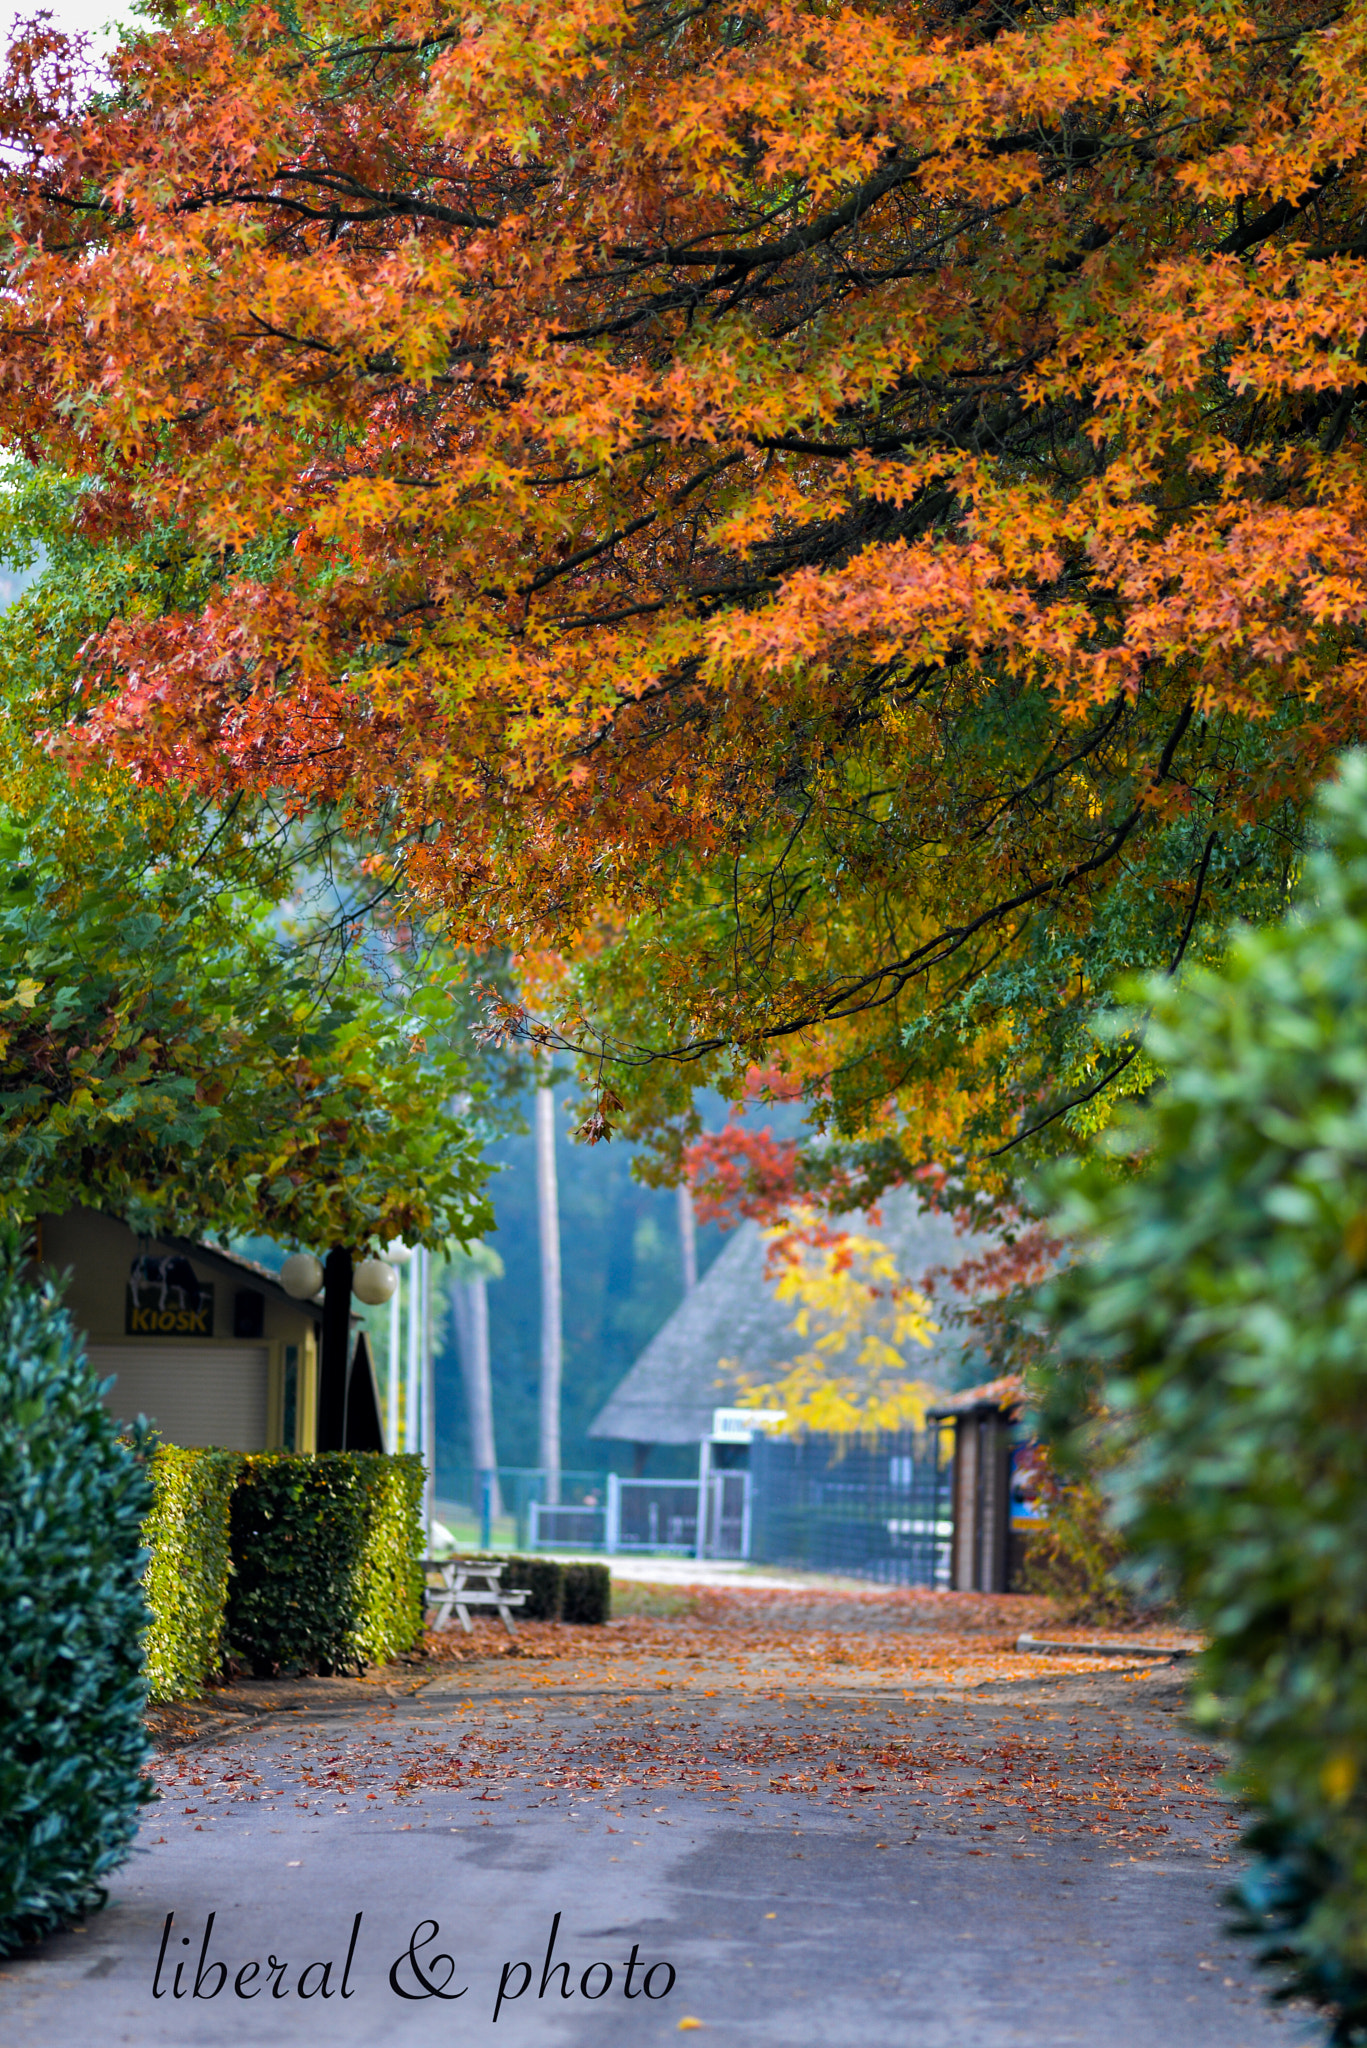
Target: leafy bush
{"x":391,"y":1578}
{"x":543,"y":1580}
{"x":588,"y":1593}
{"x":72,"y":1613}
{"x":186,"y":1580}
{"x":1075,"y":1553}
{"x":1220,"y":1323}
{"x":327,"y":1560}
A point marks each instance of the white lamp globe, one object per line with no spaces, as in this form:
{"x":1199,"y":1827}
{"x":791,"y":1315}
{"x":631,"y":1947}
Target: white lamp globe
{"x":301,"y":1276}
{"x":398,"y":1253}
{"x":374,"y":1281}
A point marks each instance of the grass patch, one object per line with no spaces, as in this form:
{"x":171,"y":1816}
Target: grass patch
{"x":655,"y":1603}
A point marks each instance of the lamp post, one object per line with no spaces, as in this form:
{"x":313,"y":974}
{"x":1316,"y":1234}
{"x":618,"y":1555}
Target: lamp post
{"x":374,"y":1281}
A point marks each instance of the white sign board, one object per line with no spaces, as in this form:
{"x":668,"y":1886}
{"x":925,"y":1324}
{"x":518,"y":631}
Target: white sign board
{"x":742,"y":1425}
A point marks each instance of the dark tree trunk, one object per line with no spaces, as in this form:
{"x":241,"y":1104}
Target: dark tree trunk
{"x":335,"y":1367}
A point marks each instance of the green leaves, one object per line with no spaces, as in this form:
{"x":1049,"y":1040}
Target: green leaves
{"x":186,"y":1579}
{"x":72,"y":1616}
{"x":1215,"y":1331}
{"x":327,"y":1560}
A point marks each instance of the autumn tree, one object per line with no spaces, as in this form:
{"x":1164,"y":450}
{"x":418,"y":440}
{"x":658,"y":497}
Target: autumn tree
{"x":190,"y":1035}
{"x":840,"y":523}
{"x":861,"y":1324}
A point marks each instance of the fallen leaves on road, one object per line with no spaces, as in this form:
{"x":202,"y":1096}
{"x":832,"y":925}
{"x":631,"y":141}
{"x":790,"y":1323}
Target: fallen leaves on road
{"x":748,"y":1699}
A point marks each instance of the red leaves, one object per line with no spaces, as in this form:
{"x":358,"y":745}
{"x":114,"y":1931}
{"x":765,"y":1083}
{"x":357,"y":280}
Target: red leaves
{"x":604,"y":455}
{"x":736,"y":1173}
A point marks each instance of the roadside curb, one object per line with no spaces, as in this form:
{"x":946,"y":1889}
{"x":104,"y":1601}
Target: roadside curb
{"x":1055,"y":1646}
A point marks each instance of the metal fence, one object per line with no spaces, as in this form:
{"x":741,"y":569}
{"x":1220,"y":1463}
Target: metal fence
{"x":502,"y":1510}
{"x":875,"y":1508}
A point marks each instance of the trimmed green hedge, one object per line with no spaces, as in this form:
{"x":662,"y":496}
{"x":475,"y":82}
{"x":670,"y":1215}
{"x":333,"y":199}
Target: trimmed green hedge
{"x":588,"y":1594}
{"x":580,"y":1593}
{"x":326,"y":1560}
{"x":542,"y":1579}
{"x":186,"y":1580}
{"x":72,"y":1620}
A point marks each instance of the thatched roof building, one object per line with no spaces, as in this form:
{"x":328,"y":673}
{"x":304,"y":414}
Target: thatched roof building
{"x":670,"y":1392}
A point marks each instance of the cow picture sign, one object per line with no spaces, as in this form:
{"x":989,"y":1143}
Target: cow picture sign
{"x":166,"y":1298}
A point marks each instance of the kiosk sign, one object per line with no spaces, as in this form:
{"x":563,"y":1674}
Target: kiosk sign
{"x":167,"y":1298}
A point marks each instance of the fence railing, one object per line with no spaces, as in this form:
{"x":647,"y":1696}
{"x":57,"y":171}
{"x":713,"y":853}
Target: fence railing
{"x":875,"y":1508}
{"x":494,"y":1510}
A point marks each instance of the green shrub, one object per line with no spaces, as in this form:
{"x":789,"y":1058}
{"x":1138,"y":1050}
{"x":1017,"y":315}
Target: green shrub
{"x":72,"y":1616}
{"x":391,"y":1577}
{"x":588,"y":1593}
{"x":542,"y":1579}
{"x":1220,"y":1325}
{"x":327,"y":1560}
{"x":186,"y":1580}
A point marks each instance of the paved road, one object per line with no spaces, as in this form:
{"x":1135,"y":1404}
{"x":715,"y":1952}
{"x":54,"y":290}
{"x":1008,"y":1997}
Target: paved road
{"x":921,"y":1894}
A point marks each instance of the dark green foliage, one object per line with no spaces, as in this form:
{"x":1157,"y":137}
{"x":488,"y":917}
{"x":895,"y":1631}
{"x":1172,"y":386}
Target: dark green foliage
{"x":588,"y":1594}
{"x":1217,"y":1334}
{"x":187,"y":1574}
{"x":543,"y":1579}
{"x":72,"y":1619}
{"x":327,"y":1560}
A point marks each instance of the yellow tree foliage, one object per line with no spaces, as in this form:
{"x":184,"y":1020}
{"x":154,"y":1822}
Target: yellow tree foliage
{"x":861,"y":1318}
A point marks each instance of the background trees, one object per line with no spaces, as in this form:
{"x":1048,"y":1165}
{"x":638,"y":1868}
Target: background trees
{"x":842,"y":524}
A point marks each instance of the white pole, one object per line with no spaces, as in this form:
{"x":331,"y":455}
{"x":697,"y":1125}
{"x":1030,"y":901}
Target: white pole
{"x":548,"y":1217}
{"x":412,"y":1392}
{"x":429,"y":1395}
{"x":393,"y":1366}
{"x":688,"y":1237}
{"x":470,"y":1313}
{"x":704,"y":1495}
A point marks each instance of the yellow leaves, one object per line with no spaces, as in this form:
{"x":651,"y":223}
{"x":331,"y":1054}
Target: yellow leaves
{"x":1338,"y":1776}
{"x":27,"y":992}
{"x":864,"y":1320}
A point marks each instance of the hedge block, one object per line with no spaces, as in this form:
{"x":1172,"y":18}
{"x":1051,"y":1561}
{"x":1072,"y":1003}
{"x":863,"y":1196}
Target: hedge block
{"x":327,"y":1560}
{"x":186,"y":1580}
{"x":588,"y":1594}
{"x":543,"y":1580}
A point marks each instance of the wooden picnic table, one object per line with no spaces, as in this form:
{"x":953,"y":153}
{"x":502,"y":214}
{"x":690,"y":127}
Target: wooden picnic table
{"x":466,"y":1582}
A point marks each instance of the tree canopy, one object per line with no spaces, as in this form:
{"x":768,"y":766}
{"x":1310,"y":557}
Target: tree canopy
{"x":831,"y":529}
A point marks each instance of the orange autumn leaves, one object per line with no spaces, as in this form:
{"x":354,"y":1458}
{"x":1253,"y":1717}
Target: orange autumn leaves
{"x":628,"y":439}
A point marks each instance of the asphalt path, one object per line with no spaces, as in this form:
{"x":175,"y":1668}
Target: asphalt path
{"x":622,"y":1869}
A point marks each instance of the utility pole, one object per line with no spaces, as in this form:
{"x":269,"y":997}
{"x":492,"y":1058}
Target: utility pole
{"x":548,"y":1218}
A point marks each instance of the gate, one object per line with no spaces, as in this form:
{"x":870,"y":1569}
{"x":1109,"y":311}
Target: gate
{"x":726,"y":1530}
{"x":652,"y":1514}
